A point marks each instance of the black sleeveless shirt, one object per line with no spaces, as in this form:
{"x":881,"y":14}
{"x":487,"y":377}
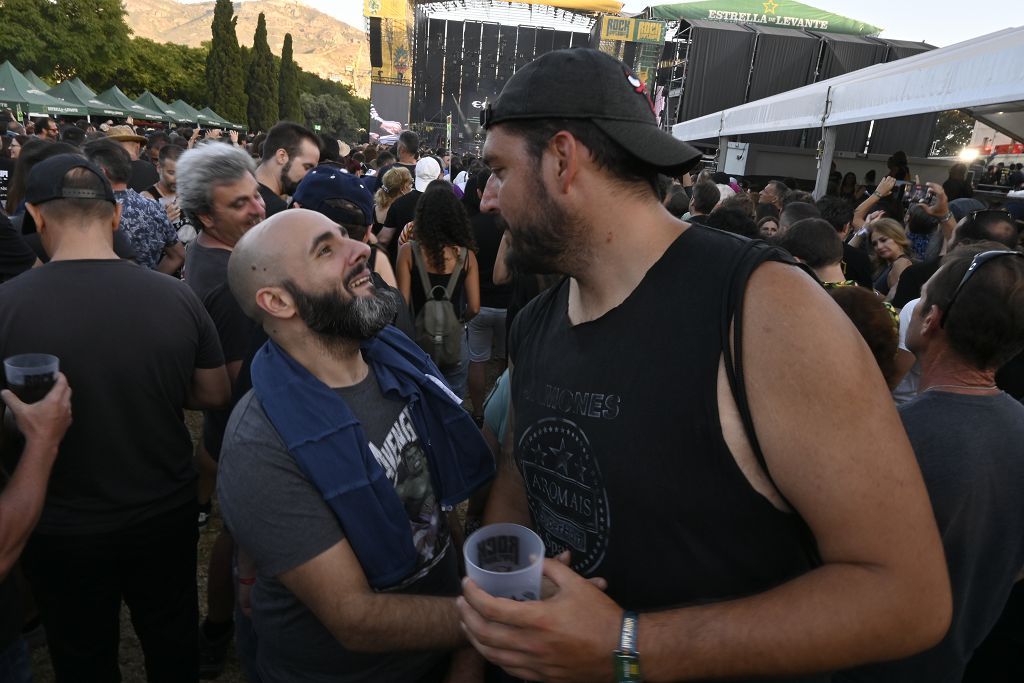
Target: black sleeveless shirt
{"x":620,"y":444}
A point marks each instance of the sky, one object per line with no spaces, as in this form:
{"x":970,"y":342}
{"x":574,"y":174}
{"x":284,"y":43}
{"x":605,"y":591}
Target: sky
{"x":939,"y":23}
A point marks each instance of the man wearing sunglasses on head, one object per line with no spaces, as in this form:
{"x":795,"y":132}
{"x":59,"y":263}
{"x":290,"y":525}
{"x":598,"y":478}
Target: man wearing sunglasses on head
{"x":967,"y":437}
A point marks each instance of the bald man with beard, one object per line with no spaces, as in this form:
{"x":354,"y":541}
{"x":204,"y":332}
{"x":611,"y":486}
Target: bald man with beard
{"x":345,"y":543}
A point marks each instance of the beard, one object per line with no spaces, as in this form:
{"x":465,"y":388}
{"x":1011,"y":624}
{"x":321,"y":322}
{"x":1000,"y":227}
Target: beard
{"x":288,"y":186}
{"x":335,"y":317}
{"x":547,"y":239}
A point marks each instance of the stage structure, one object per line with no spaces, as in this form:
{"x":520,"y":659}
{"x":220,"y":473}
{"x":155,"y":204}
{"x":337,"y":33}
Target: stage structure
{"x":390,"y":26}
{"x":723,"y":53}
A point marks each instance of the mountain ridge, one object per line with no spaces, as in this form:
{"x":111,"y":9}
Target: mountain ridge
{"x":322,"y":44}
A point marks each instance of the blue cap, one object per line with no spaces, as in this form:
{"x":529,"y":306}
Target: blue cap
{"x":330,"y":182}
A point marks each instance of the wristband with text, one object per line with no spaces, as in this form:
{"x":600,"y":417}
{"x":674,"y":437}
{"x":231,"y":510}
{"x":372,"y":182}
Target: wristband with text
{"x":627,"y":659}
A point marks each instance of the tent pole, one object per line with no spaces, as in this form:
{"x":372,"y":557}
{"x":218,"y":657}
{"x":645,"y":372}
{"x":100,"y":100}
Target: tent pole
{"x":723,"y":152}
{"x":825,"y":154}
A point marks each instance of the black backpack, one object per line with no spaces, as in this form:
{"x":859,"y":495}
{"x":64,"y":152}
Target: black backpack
{"x":439,"y":330}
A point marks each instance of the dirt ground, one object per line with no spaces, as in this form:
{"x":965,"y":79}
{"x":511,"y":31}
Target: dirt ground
{"x":132,"y":668}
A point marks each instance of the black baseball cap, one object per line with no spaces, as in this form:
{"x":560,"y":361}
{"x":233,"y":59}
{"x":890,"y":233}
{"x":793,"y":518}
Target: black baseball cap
{"x":581,"y":83}
{"x":46,"y":183}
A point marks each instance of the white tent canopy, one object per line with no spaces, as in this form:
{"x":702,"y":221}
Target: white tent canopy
{"x":983,"y":76}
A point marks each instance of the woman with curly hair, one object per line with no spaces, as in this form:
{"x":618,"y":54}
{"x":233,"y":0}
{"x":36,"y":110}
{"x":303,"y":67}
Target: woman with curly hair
{"x":443,"y":239}
{"x":892,"y":255}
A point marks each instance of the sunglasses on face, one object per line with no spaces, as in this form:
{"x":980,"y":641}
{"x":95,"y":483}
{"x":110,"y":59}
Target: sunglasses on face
{"x":977,"y":262}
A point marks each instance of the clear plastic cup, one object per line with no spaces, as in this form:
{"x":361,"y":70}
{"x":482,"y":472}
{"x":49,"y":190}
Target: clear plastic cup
{"x":31,"y":375}
{"x":506,"y":560}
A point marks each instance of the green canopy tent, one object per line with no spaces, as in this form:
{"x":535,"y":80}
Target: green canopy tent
{"x":148,"y":99}
{"x":117,"y":98}
{"x":84,"y":91}
{"x":787,"y":14}
{"x":191,"y":112}
{"x":36,"y":82}
{"x":66,"y":91}
{"x":218,"y":121}
{"x":18,"y":94}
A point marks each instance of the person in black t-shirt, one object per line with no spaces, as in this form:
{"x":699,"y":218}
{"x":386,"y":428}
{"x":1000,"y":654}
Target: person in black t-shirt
{"x":289,"y":153}
{"x":123,"y":490}
{"x":856,"y":264}
{"x":217,"y":190}
{"x":710,"y":496}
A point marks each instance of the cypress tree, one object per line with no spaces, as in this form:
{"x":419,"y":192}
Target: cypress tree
{"x":225,"y":79}
{"x":288,"y":85}
{"x":262,"y":82}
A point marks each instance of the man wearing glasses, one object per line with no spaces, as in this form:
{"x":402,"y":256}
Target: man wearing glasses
{"x":967,"y":437}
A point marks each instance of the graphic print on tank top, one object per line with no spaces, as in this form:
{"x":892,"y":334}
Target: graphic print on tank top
{"x":566,"y":491}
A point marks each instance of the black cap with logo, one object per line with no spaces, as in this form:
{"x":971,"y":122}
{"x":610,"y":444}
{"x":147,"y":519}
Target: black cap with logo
{"x":46,"y":183}
{"x":581,"y":83}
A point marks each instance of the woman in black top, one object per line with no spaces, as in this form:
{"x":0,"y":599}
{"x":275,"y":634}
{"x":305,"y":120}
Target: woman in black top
{"x":956,"y":185}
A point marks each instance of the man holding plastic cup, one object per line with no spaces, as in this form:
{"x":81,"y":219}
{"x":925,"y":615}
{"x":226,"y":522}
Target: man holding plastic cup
{"x":339,"y":467}
{"x":42,"y":424}
{"x":682,"y":424}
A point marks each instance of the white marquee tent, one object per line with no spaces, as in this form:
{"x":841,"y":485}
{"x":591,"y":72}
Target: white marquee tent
{"x":983,"y":77}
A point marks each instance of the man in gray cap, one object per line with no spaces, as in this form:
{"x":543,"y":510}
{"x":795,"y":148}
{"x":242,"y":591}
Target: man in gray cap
{"x":646,"y":454}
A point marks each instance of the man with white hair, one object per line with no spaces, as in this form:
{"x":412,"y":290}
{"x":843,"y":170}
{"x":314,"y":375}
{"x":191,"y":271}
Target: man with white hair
{"x":218,"y":191}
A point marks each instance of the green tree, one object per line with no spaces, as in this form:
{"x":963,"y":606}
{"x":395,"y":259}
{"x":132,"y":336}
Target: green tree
{"x":64,"y":38}
{"x":953,"y":131}
{"x":331,"y":113}
{"x":261,"y":85}
{"x":167,"y":70}
{"x":288,"y":84}
{"x":225,"y":79}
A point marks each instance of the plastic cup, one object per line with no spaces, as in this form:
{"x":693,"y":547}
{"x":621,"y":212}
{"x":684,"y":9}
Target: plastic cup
{"x":31,"y":375}
{"x":506,"y":560}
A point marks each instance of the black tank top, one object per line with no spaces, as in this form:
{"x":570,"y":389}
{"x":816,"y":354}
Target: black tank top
{"x":620,"y":444}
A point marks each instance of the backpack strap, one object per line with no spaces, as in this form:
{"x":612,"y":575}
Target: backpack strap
{"x":421,"y":266}
{"x":370,"y":262}
{"x":454,"y":278}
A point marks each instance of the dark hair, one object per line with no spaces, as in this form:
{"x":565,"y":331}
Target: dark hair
{"x":157,"y":139}
{"x":975,"y":228}
{"x":72,"y":134}
{"x":741,"y":201}
{"x":812,"y":240}
{"x":849,"y":180}
{"x":797,"y":211}
{"x":112,"y":158}
{"x":836,"y":211}
{"x":33,"y":151}
{"x":869,"y":315}
{"x":732,"y":220}
{"x":42,"y":123}
{"x":170,"y":152}
{"x":986,"y":326}
{"x":59,"y":210}
{"x":355,"y":231}
{"x":765,"y":210}
{"x":781,"y":190}
{"x":475,"y":182}
{"x":288,"y":136}
{"x":5,"y":145}
{"x":607,"y":154}
{"x":410,"y":142}
{"x":330,"y":150}
{"x":958,"y":171}
{"x":385,"y":158}
{"x":678,"y":202}
{"x":870,"y":176}
{"x":441,"y":221}
{"x":920,"y":222}
{"x":705,"y":197}
{"x":794,"y":196}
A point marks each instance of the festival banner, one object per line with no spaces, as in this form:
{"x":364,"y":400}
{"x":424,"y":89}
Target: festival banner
{"x":396,"y":28}
{"x":778,"y":13}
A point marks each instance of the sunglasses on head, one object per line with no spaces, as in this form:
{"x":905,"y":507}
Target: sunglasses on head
{"x":976,"y":263}
{"x":990,"y":212}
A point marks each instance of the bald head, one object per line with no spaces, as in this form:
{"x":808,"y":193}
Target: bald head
{"x":270,"y":253}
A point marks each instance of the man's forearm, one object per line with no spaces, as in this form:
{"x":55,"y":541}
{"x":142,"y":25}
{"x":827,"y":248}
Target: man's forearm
{"x":384,"y":622}
{"x":833,"y":617}
{"x":21,"y":503}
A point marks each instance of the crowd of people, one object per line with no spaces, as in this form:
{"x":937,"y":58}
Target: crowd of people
{"x":761,"y":434}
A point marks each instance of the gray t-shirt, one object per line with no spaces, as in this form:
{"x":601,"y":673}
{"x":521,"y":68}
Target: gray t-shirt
{"x":280,"y":519}
{"x":971,"y":452}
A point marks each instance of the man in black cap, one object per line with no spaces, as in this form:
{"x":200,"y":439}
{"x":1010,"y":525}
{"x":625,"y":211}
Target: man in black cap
{"x":119,"y":518}
{"x":646,"y":454}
